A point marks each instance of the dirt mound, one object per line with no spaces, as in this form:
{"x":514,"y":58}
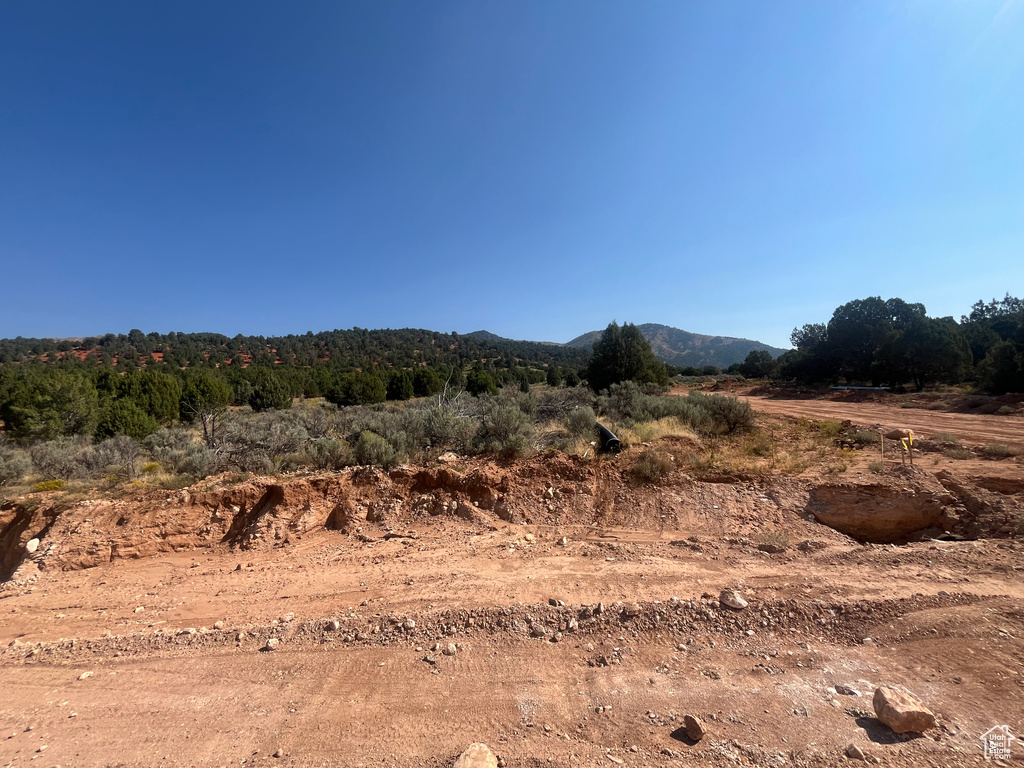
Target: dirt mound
{"x":887,"y":510}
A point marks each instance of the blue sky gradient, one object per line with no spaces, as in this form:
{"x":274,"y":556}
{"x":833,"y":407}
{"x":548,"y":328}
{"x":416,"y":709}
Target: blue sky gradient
{"x":535,"y":169}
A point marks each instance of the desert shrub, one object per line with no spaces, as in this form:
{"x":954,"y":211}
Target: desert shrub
{"x":958,"y":452}
{"x":150,"y":467}
{"x":729,"y":414}
{"x":329,"y":453}
{"x":878,"y":467}
{"x":170,"y":446}
{"x":707,"y":414}
{"x":316,"y":421}
{"x":259,"y":443}
{"x":198,"y":461}
{"x":999,"y":451}
{"x":14,"y":464}
{"x":59,"y":459}
{"x":557,"y":404}
{"x":863,"y":437}
{"x":774,"y":541}
{"x":49,"y":485}
{"x":1005,"y":410}
{"x":946,"y":440}
{"x":830,"y":427}
{"x":581,"y":422}
{"x":117,"y":453}
{"x":505,"y":430}
{"x":446,"y":429}
{"x":651,"y":466}
{"x":373,"y":449}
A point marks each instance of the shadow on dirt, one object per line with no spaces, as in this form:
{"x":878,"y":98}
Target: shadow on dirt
{"x":679,"y":734}
{"x":880,"y":733}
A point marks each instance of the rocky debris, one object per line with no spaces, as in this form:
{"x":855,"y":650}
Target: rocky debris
{"x":632,"y":610}
{"x":733,"y":599}
{"x":278,"y":753}
{"x":85,"y":675}
{"x":450,"y":649}
{"x":855,"y":753}
{"x":694,"y":727}
{"x":847,"y":690}
{"x":271,"y":644}
{"x":902,"y":711}
{"x":477,"y":755}
{"x":333,"y":626}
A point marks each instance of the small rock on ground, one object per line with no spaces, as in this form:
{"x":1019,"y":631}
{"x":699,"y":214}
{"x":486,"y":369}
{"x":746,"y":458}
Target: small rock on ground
{"x":694,"y":727}
{"x":271,"y":644}
{"x":733,"y":599}
{"x":855,"y":753}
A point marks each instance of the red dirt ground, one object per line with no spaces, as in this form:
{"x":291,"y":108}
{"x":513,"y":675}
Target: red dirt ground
{"x":133,"y":591}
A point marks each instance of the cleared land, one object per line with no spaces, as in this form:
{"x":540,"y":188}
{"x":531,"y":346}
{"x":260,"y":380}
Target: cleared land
{"x":472,"y":553}
{"x":977,"y":428}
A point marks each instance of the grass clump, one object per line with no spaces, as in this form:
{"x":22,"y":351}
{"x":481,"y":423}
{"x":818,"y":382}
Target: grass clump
{"x":958,"y":452}
{"x":49,"y":485}
{"x":863,"y":437}
{"x":878,"y":467}
{"x":999,"y":451}
{"x":651,"y":466}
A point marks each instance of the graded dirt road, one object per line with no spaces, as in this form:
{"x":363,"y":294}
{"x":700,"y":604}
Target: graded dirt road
{"x":972,"y":428}
{"x":584,"y":627}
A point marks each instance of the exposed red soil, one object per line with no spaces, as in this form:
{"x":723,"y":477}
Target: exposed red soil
{"x":166,"y":598}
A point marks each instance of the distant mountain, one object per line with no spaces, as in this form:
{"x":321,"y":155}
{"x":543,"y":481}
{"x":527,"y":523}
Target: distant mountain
{"x":683,"y":348}
{"x":486,"y":337}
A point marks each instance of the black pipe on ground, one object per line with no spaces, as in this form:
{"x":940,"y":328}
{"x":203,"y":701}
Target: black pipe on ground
{"x":608,"y":441}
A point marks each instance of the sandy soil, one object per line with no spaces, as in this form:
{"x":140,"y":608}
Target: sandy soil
{"x":156,"y":657}
{"x":972,"y":428}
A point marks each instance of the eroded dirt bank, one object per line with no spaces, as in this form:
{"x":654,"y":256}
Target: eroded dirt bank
{"x":553,"y":608}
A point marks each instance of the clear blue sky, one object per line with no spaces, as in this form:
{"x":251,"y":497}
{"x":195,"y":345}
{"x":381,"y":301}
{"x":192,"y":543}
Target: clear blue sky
{"x":535,"y":169}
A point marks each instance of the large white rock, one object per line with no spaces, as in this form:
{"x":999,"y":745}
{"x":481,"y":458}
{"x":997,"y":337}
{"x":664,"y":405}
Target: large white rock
{"x":733,"y":599}
{"x":477,"y":755}
{"x":902,"y":712}
{"x":32,"y":545}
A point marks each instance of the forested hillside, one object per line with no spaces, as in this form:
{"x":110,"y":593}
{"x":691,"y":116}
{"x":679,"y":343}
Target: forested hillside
{"x":684,"y":349}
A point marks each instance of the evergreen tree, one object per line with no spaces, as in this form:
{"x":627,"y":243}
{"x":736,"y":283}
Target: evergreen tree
{"x":400,"y":386}
{"x":268,"y":391}
{"x":623,"y":354}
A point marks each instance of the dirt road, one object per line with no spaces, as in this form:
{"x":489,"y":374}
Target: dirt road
{"x":969,"y":428}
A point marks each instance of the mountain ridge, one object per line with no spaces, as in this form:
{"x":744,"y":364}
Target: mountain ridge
{"x":683,"y":348}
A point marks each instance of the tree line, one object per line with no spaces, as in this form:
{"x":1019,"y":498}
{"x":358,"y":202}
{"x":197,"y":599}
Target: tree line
{"x":353,"y":348}
{"x":894,"y":343}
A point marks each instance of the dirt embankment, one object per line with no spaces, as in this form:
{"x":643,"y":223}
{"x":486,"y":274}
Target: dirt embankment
{"x":552,"y":490}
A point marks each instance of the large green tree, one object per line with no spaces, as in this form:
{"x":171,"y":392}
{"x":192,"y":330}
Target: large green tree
{"x":623,"y":354}
{"x":44,"y":404}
